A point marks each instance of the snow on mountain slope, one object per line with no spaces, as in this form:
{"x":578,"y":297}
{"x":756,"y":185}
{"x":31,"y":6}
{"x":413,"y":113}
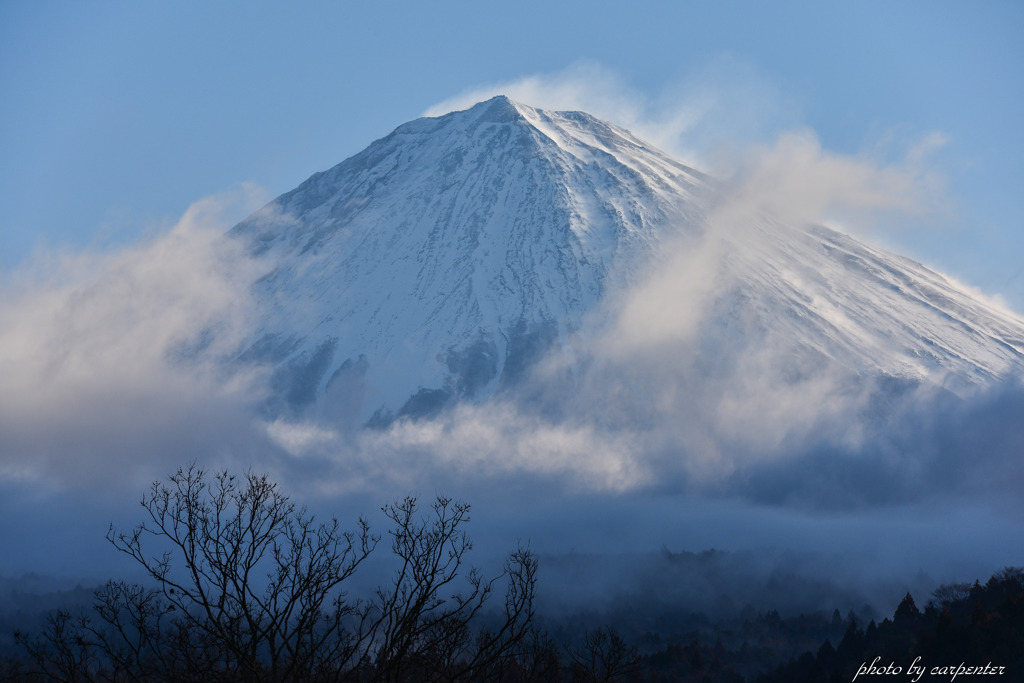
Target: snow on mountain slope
{"x":441,"y":259}
{"x":874,"y":311}
{"x":446,"y":258}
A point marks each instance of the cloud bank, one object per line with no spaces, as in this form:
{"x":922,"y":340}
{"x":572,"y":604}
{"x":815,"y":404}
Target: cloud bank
{"x":114,"y":361}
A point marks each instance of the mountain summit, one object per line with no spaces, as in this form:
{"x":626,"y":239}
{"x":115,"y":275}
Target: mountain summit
{"x":440,"y":260}
{"x":444,"y":260}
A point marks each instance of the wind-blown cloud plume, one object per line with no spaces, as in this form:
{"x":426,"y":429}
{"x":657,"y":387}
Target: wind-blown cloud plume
{"x":114,"y":359}
{"x":723,"y":104}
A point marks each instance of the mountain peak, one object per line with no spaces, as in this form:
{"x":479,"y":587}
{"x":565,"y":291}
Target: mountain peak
{"x":500,"y":109}
{"x":500,"y":106}
{"x":445,"y":256}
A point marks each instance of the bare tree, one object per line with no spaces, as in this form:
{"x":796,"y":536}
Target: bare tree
{"x":604,"y":657}
{"x":949,"y":593}
{"x":425,"y":630}
{"x":248,"y":572}
{"x":246,"y":586}
{"x":132,"y":635}
{"x":63,"y":651}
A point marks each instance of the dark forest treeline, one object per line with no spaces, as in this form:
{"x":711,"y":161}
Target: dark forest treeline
{"x":973,"y":625}
{"x":963,"y":625}
{"x":247,"y":587}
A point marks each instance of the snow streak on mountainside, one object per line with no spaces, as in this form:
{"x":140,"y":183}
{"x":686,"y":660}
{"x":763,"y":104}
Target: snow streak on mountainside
{"x":811,"y":299}
{"x":875,"y":311}
{"x":446,"y":259}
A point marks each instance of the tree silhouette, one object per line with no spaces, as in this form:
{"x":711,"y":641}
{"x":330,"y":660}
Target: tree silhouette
{"x":417,"y":629}
{"x":248,"y":570}
{"x":604,"y":657}
{"x":247,"y":586}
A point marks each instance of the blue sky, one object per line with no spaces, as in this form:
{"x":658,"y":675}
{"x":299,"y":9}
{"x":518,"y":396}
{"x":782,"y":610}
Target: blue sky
{"x":118,"y":115}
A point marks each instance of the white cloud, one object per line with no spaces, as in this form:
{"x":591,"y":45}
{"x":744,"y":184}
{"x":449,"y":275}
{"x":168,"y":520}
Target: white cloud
{"x":794,"y":180}
{"x":300,"y":438}
{"x":97,"y":348}
{"x":497,"y":440}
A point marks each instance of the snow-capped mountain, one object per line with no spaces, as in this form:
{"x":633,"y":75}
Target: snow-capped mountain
{"x":446,"y":258}
{"x":441,"y":259}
